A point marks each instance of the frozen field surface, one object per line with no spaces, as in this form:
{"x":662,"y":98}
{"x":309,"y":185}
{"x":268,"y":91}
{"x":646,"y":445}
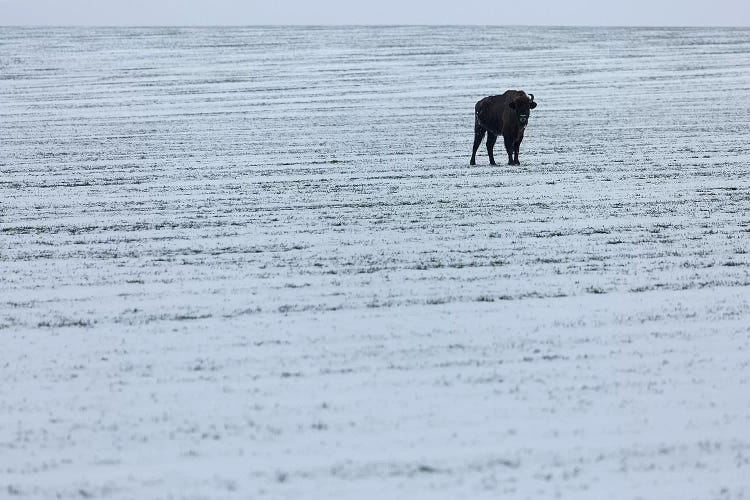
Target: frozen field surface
{"x":255,"y":263}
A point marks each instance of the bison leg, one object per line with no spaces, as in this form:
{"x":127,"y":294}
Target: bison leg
{"x":510,"y":148}
{"x":516,"y":147}
{"x":478,"y":136}
{"x":491,"y":138}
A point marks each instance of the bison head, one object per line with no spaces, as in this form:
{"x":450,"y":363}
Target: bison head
{"x":522,"y":106}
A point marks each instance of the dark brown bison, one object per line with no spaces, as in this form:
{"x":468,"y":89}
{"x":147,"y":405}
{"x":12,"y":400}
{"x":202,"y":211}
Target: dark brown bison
{"x":507,"y":115}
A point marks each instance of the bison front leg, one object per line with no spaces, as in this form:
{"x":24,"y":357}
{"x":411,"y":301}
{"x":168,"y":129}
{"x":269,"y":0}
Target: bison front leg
{"x":491,"y":138}
{"x":516,"y":147}
{"x":510,"y":148}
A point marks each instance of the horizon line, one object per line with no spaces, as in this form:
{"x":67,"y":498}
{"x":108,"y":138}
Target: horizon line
{"x":373,"y":25}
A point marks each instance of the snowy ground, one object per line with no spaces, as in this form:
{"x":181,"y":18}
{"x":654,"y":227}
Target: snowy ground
{"x":254,"y":263}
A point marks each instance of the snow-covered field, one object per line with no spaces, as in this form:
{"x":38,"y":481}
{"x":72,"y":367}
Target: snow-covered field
{"x":255,"y":263}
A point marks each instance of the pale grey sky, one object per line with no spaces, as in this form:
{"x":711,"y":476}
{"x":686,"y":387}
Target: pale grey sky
{"x":238,"y":12}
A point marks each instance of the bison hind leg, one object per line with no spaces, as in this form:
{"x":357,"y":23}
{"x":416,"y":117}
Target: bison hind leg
{"x":491,"y":138}
{"x":479,"y":131}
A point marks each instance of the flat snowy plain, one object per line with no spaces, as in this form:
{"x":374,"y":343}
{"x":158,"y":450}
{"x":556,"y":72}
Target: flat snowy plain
{"x":255,"y":263}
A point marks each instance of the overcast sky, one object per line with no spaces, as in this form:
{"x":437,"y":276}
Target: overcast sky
{"x":497,"y":12}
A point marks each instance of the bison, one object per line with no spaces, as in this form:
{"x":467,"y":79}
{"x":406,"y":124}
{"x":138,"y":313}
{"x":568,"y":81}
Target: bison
{"x":507,"y":115}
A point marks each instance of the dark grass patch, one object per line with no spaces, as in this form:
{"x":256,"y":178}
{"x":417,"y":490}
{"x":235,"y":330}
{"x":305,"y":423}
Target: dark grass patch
{"x":188,"y":317}
{"x":549,"y":260}
{"x":66,"y":322}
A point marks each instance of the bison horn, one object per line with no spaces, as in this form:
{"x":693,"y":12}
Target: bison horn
{"x":531,"y":96}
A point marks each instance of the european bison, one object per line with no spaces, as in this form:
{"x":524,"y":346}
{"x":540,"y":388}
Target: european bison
{"x":507,"y":115}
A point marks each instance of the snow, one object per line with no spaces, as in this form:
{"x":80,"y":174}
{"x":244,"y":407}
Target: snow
{"x":255,"y":263}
